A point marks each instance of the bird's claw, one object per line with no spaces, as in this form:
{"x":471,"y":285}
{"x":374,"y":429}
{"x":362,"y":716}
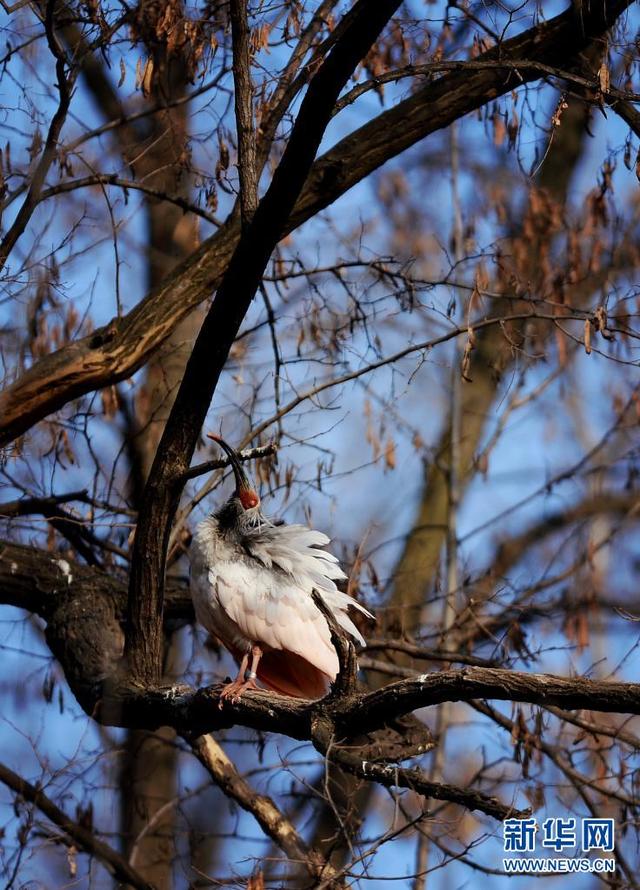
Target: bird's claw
{"x":233,"y":691}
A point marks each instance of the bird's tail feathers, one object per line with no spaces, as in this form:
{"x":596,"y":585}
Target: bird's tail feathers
{"x":291,"y":674}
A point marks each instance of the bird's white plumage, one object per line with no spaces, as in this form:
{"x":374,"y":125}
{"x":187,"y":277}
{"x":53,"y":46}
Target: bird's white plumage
{"x":257,"y":588}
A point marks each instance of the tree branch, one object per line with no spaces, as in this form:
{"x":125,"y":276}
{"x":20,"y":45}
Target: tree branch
{"x":114,"y":179}
{"x":243,"y":100}
{"x":221,"y":462}
{"x":512,"y":549}
{"x":492,"y":683}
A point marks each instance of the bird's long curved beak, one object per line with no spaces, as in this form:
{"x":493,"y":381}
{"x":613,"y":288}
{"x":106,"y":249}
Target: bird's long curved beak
{"x":246,"y":491}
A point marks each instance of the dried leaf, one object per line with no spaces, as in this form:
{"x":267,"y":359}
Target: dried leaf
{"x":482,"y":463}
{"x":223,"y":160}
{"x":587,"y":336}
{"x":469,"y":346}
{"x":72,"y":861}
{"x":582,"y":630}
{"x":371,"y":435}
{"x":561,"y":344}
{"x":67,"y":450}
{"x":37,"y":142}
{"x":600,"y":319}
{"x":535,"y":796}
{"x":512,"y":128}
{"x":123,"y":73}
{"x":110,"y":403}
{"x":482,"y":277}
{"x":499,"y":128}
{"x":48,"y":686}
{"x":256,"y":881}
{"x":604,"y":77}
{"x":390,"y":454}
{"x":147,"y":77}
{"x":556,"y":118}
{"x":260,"y":38}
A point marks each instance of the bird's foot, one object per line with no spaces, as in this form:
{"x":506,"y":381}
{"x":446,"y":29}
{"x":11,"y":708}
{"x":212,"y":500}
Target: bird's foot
{"x":233,"y":691}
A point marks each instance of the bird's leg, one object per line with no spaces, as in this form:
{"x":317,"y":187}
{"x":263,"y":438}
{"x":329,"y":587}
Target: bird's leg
{"x":231,"y":689}
{"x":256,"y":655}
{"x":244,"y":680}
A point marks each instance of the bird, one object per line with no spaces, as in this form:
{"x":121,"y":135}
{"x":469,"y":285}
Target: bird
{"x":252,"y":582}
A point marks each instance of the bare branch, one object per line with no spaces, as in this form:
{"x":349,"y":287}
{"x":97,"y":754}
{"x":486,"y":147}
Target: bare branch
{"x":492,"y":683}
{"x":135,"y":185}
{"x":514,"y":548}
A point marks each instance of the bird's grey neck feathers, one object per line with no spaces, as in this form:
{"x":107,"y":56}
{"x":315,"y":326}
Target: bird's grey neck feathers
{"x":234,"y":521}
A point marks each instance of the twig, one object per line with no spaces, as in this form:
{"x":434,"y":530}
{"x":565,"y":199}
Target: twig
{"x":418,"y":652}
{"x":128,"y":184}
{"x":221,"y":462}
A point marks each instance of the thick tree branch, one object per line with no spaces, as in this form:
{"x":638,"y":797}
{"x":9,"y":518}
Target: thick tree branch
{"x":41,"y":583}
{"x":196,"y":711}
{"x":113,"y":352}
{"x":243,"y":99}
{"x":69,"y":526}
{"x":82,"y":837}
{"x":492,"y":683}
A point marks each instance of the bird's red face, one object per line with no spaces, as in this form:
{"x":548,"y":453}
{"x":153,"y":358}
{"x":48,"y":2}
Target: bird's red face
{"x":248,"y":498}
